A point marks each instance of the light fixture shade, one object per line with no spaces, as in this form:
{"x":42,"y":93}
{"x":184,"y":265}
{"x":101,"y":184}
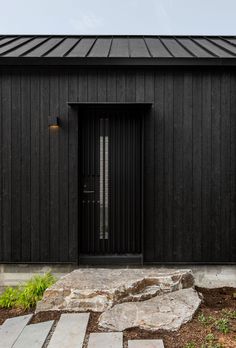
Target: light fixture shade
{"x":53,"y":121}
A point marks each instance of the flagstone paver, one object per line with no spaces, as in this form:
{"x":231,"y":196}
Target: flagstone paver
{"x":108,"y":340}
{"x":11,"y":329}
{"x":70,"y":331}
{"x":34,"y":336}
{"x":145,"y":344}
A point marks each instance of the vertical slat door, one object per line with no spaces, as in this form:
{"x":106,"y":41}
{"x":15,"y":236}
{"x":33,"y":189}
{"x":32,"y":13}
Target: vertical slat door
{"x":110,"y":183}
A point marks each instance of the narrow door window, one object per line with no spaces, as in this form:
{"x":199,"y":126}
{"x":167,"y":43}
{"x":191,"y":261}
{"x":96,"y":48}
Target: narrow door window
{"x":104,"y":178}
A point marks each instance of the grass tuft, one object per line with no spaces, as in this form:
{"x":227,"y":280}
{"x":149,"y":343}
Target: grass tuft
{"x":26,"y":296}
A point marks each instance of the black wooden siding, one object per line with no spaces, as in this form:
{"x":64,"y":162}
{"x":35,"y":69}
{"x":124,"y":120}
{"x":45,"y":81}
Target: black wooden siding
{"x":189,"y":160}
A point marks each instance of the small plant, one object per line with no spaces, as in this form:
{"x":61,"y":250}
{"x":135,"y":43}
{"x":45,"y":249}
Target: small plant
{"x":229,"y":314}
{"x":205,"y":320}
{"x":210,"y":337}
{"x":26,"y":296}
{"x":222,"y":325}
{"x":190,"y":345}
{"x":210,"y":342}
{"x":9,"y":297}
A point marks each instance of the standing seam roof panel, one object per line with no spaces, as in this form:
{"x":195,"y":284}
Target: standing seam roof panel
{"x":101,"y":48}
{"x":119,"y":48}
{"x":63,"y":48}
{"x":152,"y":46}
{"x":225,"y":45}
{"x":231,"y":40}
{"x":138,"y":48}
{"x":25,"y":48}
{"x":6,"y":40}
{"x":44,"y":48}
{"x":82,"y":48}
{"x":213,"y":48}
{"x":14,"y":44}
{"x":157,"y":49}
{"x":175,"y":48}
{"x":194,"y":48}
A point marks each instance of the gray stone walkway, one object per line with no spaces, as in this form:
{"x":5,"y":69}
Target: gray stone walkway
{"x":70,"y":332}
{"x":106,"y":339}
{"x":11,"y":330}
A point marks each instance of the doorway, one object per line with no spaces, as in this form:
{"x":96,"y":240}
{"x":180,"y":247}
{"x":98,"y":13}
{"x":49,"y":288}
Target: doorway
{"x":110,"y":186}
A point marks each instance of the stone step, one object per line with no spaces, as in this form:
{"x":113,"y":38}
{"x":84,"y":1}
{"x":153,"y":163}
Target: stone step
{"x":163,"y":312}
{"x":70,"y":331}
{"x":11,"y":329}
{"x":145,"y":344}
{"x":34,"y":335}
{"x":106,"y":340}
{"x":98,"y":289}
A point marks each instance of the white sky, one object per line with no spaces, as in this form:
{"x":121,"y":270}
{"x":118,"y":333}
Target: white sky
{"x":212,"y":17}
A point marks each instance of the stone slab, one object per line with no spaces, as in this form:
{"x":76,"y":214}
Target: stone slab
{"x":11,"y":329}
{"x":145,"y":344}
{"x":164,"y":312}
{"x":70,"y":331}
{"x":34,"y":335}
{"x":106,"y":340}
{"x":97,"y":289}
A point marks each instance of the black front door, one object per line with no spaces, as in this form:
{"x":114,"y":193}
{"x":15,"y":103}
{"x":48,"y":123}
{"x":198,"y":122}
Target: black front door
{"x":110,"y":183}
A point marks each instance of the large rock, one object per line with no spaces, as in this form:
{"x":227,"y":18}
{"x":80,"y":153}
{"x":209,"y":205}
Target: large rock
{"x":164,"y":312}
{"x":91,"y":289}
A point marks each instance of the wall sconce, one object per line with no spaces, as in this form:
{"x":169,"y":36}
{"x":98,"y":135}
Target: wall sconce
{"x":53,"y":122}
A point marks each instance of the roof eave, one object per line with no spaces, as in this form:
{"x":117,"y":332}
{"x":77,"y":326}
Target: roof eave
{"x":117,"y":61}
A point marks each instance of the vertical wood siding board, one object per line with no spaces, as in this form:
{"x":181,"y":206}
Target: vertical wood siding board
{"x":131,"y":89}
{"x":158,"y":166}
{"x":92,"y":85}
{"x":149,"y":171}
{"x":54,"y":169}
{"x":140,"y":97}
{"x":25,"y":168}
{"x":216,"y":175}
{"x":74,"y":217}
{"x":233,"y":167}
{"x":6,"y":162}
{"x":186,"y":239}
{"x":197,"y":151}
{"x":35,"y":169}
{"x":130,"y":86}
{"x":206,"y":166}
{"x":111,"y":85}
{"x":63,"y":167}
{"x":83,"y":85}
{"x":44,"y":169}
{"x":225,"y":165}
{"x":178,"y":167}
{"x":168,"y":164}
{"x":140,"y":92}
{"x":117,"y":170}
{"x":120,"y":85}
{"x":16,"y":165}
{"x":101,"y":85}
{"x":111,"y":97}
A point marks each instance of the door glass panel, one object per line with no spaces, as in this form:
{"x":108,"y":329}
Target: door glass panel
{"x":104,"y":178}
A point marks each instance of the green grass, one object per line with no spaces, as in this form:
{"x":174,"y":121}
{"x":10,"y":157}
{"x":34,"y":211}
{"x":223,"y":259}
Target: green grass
{"x":27,"y":295}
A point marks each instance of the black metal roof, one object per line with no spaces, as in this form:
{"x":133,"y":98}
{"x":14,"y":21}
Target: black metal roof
{"x":116,"y":49}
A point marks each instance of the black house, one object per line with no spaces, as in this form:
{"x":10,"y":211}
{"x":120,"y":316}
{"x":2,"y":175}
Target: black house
{"x":117,"y":149}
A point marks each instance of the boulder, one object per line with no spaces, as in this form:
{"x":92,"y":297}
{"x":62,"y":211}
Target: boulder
{"x":97,"y":289}
{"x":164,"y":312}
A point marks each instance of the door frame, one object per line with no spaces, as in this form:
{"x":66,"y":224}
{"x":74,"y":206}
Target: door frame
{"x":129,"y":259}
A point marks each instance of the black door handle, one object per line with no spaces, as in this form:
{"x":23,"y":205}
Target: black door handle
{"x":88,"y":191}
